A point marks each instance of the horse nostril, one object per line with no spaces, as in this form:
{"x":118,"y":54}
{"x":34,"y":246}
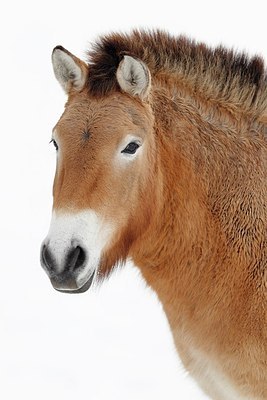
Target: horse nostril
{"x":47,"y":258}
{"x":76,"y":258}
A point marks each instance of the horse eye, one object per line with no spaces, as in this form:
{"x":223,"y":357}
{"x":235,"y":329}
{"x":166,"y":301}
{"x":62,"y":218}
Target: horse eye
{"x":54,"y":143}
{"x":131,"y":148}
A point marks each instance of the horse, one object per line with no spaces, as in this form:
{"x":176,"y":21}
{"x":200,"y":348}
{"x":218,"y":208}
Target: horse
{"x":162,"y":159}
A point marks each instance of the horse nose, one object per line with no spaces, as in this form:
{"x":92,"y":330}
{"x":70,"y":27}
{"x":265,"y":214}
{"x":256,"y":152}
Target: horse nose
{"x":63,"y":272}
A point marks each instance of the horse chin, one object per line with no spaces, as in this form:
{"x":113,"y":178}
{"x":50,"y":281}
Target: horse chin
{"x":72,"y":290}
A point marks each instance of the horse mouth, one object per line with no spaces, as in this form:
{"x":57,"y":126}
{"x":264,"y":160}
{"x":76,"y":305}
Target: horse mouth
{"x":70,"y":288}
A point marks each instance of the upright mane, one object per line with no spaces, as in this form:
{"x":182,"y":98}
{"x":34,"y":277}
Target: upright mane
{"x":217,"y":73}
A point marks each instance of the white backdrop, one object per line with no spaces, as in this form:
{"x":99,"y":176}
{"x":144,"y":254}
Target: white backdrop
{"x":113,"y":342}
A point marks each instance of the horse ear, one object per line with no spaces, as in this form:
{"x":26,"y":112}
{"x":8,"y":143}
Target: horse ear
{"x":134,"y":77}
{"x":70,"y":71}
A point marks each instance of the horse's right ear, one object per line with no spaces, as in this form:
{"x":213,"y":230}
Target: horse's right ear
{"x":70,"y":71}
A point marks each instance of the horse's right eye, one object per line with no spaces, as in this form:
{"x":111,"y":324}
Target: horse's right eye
{"x":54,"y":143}
{"x":131,"y":148}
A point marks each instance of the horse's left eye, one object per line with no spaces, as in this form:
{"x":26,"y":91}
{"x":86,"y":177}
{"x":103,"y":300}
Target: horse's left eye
{"x":54,"y":143}
{"x":131,"y":148}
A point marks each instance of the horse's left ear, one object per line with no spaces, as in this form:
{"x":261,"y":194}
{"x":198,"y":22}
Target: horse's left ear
{"x":70,"y":71}
{"x":134,"y":77}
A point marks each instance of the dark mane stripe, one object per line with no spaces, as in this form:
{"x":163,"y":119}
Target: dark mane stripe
{"x":219,"y":73}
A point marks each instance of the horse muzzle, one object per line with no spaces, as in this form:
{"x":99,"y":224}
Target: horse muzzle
{"x":68,"y":274}
{"x":72,"y":251}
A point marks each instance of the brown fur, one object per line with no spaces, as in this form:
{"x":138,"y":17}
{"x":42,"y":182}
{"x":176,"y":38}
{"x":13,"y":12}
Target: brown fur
{"x":192,"y":212}
{"x":220,"y":74}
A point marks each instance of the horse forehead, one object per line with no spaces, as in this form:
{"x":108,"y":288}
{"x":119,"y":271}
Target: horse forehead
{"x":95,"y":116}
{"x":106,"y":104}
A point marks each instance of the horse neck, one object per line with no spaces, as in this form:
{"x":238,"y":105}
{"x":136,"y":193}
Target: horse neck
{"x":185,"y":250}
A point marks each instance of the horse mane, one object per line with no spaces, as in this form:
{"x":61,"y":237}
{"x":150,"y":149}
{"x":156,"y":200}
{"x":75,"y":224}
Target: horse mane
{"x":218,"y":73}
